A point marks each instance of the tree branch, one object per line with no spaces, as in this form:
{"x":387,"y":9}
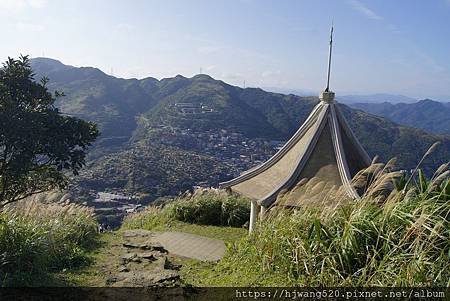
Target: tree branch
{"x":4,"y":203}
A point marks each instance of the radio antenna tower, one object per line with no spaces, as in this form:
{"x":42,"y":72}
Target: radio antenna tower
{"x":329,"y":59}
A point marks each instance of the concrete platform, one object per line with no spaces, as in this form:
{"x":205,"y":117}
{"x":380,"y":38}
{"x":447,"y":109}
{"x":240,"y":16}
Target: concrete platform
{"x":191,"y":245}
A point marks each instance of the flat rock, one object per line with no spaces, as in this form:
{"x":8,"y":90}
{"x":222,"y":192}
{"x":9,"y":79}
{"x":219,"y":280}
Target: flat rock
{"x":149,"y":255}
{"x":166,"y":276}
{"x":191,"y":245}
{"x":123,"y":269}
{"x":131,"y":245}
{"x":146,"y":278}
{"x":138,"y":233}
{"x":160,"y":263}
{"x":171,"y":266}
{"x":114,"y":279}
{"x":149,"y":245}
{"x":155,"y":246}
{"x":137,"y":259}
{"x":125,"y":258}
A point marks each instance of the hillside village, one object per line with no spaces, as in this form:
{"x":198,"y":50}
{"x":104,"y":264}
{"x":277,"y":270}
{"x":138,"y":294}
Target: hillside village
{"x":231,"y":148}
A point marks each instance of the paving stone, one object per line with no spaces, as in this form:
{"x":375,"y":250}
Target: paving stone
{"x":191,"y":245}
{"x":146,"y":263}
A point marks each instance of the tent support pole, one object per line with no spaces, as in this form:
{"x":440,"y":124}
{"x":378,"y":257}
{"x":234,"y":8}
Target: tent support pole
{"x":254,"y":210}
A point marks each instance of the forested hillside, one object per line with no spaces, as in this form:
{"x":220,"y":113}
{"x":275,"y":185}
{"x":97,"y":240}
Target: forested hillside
{"x":209,"y":129}
{"x":432,"y":116}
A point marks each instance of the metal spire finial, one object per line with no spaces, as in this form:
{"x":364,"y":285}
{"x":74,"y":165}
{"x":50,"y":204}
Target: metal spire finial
{"x":329,"y":59}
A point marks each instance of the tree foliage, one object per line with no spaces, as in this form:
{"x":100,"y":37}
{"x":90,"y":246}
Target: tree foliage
{"x":37,"y":143}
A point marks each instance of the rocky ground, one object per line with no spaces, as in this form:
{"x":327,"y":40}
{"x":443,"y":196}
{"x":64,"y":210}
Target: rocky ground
{"x":147,"y":265}
{"x":141,"y":258}
{"x":144,"y":263}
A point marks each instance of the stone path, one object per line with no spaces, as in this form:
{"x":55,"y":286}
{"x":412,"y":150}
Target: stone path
{"x":146,"y":258}
{"x":144,"y":263}
{"x":191,"y":245}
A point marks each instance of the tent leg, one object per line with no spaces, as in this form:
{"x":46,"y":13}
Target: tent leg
{"x":254,"y":210}
{"x":262,"y":212}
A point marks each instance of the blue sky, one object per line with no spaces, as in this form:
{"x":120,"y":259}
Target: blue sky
{"x":383,"y":46}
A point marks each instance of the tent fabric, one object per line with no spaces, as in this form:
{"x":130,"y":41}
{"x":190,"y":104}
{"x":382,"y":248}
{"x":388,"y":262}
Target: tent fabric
{"x":317,"y":163}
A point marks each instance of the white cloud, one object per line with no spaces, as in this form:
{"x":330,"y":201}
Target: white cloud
{"x":30,"y":27}
{"x":209,"y":49}
{"x":37,"y":3}
{"x":19,"y":5}
{"x":367,"y":12}
{"x":124,"y":27}
{"x":430,"y":62}
{"x":394,"y":29}
{"x":12,"y":5}
{"x":270,"y":73}
{"x":137,"y":72}
{"x":234,"y":78}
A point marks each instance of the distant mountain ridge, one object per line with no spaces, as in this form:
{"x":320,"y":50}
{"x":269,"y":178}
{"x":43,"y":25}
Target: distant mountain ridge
{"x":350,"y":98}
{"x":426,"y":114}
{"x":375,"y":98}
{"x":133,"y":113}
{"x":91,"y":94}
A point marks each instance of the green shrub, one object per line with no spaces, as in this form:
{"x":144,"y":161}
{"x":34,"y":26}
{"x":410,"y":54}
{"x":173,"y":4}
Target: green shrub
{"x":37,"y":238}
{"x":209,"y":207}
{"x":204,"y":207}
{"x":22,"y":250}
{"x":152,"y":218}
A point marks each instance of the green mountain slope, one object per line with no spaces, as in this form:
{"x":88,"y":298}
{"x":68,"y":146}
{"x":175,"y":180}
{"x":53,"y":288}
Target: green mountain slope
{"x":148,"y":171}
{"x":387,"y":140}
{"x":188,"y":118}
{"x":251,"y":111}
{"x":427,"y":114}
{"x":111,"y":102}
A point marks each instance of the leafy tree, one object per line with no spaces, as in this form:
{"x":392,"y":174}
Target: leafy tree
{"x":37,"y":143}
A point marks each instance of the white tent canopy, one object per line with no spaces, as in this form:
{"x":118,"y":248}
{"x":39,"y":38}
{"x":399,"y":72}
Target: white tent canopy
{"x":320,"y":159}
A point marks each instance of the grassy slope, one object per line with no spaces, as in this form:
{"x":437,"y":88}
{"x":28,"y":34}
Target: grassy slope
{"x":400,"y":240}
{"x":205,"y":207}
{"x":38,"y":240}
{"x":173,"y":217}
{"x":199,"y":273}
{"x":403,"y":242}
{"x":105,"y":258}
